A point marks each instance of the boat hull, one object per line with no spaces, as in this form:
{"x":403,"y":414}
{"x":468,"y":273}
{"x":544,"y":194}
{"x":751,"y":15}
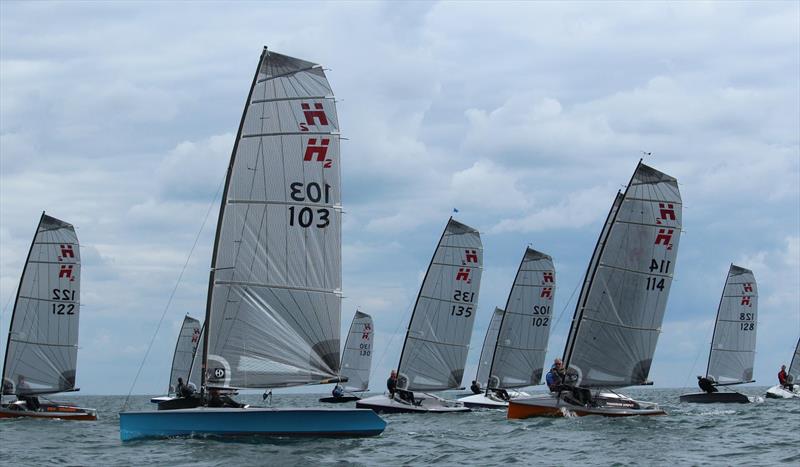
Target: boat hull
{"x":716,"y":398}
{"x":490,"y":401}
{"x":339,"y":400}
{"x":206,"y":421}
{"x":425,"y":404}
{"x":63,"y":412}
{"x":779,"y":392}
{"x":606,"y":405}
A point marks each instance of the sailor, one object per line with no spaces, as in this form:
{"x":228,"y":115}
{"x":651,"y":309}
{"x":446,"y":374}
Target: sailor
{"x":502,"y":394}
{"x":23,"y":391}
{"x":555,"y":377}
{"x":475,"y":387}
{"x":180,"y":387}
{"x":221,"y":400}
{"x":337,"y":391}
{"x":784,"y":379}
{"x":391,"y":384}
{"x":706,"y":384}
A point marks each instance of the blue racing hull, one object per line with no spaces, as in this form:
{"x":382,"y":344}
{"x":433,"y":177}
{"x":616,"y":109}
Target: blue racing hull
{"x":205,"y":421}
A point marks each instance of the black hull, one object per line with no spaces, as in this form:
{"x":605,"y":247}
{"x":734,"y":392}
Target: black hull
{"x":715,"y":398}
{"x":339,"y":400}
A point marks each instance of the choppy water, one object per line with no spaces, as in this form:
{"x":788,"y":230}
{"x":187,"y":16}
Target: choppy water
{"x":765,"y":433}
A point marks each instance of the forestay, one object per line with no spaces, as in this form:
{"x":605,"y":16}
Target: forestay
{"x":42,"y":349}
{"x":489,"y":343}
{"x":794,"y":367}
{"x":525,"y":329}
{"x":274,"y":301}
{"x":185,"y":348}
{"x":357,"y":354}
{"x":733,"y":347}
{"x":437,"y":340}
{"x":619,"y":313}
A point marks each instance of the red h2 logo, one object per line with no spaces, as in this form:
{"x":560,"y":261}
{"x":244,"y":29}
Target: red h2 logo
{"x":367,"y":329}
{"x":548,"y":277}
{"x":746,"y":301}
{"x":463,"y":275}
{"x":195,"y":335}
{"x":666,"y":212}
{"x":471,"y":257}
{"x":66,"y":252}
{"x":664,"y":237}
{"x":318,"y":152}
{"x":747,"y":287}
{"x":547,"y":292}
{"x":317,"y":114}
{"x":66,"y":272}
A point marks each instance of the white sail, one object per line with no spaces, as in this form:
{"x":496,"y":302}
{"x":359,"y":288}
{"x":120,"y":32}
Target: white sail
{"x":42,"y":350}
{"x":522,"y":342}
{"x":733,"y":347}
{"x":618,"y":317}
{"x":357,"y":354}
{"x":197,"y":361}
{"x":489,"y":343}
{"x":794,"y":367}
{"x":274,"y":306}
{"x":185,"y":348}
{"x":438,"y":336}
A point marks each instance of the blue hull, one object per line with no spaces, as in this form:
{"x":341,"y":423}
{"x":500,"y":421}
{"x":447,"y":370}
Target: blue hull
{"x":205,"y":421}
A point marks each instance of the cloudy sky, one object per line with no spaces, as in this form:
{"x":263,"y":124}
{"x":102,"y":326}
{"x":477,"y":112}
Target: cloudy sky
{"x":528,"y":117}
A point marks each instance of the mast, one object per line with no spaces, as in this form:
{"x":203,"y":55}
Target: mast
{"x":223,"y":202}
{"x":716,"y":320}
{"x":16,"y":299}
{"x":503,"y":319}
{"x":419,"y":294}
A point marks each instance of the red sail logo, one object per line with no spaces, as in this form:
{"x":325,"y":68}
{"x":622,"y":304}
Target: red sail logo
{"x":318,"y":114}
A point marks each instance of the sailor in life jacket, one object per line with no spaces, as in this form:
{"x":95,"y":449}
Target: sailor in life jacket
{"x":785,"y":379}
{"x":556,"y":376}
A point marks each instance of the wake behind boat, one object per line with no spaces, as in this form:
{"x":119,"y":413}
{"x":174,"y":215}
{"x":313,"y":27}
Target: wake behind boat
{"x":42,"y":350}
{"x":790,"y":388}
{"x":274,"y":299}
{"x":621,"y":306}
{"x":437,"y":340}
{"x":519,"y":344}
{"x":733,"y":346}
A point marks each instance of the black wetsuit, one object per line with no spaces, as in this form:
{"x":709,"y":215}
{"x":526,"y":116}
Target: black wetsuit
{"x":391,"y":385}
{"x":475,"y":387}
{"x":706,"y":385}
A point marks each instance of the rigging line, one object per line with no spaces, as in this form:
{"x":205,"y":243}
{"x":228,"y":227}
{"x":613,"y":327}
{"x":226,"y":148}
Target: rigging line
{"x":569,"y":300}
{"x":172,"y":294}
{"x":394,"y":334}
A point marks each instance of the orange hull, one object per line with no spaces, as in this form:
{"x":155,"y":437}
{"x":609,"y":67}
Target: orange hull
{"x":60,"y":412}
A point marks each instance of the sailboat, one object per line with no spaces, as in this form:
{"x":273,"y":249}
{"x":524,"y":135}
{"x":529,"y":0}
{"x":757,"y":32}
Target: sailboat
{"x":793,"y":377}
{"x":733,"y":346}
{"x":274,"y":297}
{"x":182,"y":358}
{"x":521,"y":343}
{"x":437,"y":339}
{"x":42,"y":349}
{"x":487,"y":351}
{"x":356,"y":359}
{"x":621,"y":305}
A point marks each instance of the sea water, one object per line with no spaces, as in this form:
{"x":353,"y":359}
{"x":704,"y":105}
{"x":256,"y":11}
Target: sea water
{"x":766,"y":433}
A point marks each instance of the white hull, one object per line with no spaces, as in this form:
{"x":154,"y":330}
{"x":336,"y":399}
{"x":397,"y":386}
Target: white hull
{"x":424,"y":403}
{"x":490,"y":401}
{"x":779,"y":392}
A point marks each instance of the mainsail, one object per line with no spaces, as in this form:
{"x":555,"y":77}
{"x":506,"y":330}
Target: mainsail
{"x":42,"y":350}
{"x":274,"y":305}
{"x":794,"y":367}
{"x":357,"y":354}
{"x":489,"y":343}
{"x":185,"y":348}
{"x":437,"y":340}
{"x":197,"y":360}
{"x":522,"y":341}
{"x":733,"y":347}
{"x":621,"y":307}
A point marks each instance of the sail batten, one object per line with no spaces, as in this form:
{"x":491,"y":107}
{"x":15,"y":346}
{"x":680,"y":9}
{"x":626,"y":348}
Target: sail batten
{"x":519,"y":353}
{"x":732,"y":354}
{"x":621,"y":307}
{"x":275,"y":288}
{"x":437,"y":340}
{"x":41,"y":354}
